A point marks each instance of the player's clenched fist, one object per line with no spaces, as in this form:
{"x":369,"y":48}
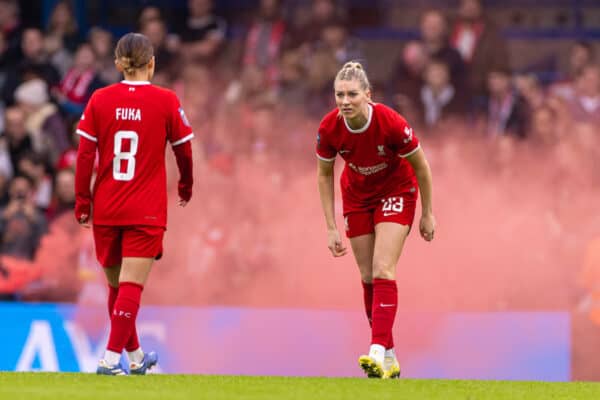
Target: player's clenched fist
{"x":334,"y":242}
{"x":427,"y":227}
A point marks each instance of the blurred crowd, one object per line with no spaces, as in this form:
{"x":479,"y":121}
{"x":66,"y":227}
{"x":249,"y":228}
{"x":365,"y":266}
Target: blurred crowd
{"x":255,"y":95}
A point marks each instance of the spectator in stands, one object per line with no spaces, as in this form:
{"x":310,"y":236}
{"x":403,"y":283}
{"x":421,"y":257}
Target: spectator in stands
{"x":507,"y":113}
{"x":434,"y":35}
{"x":241,"y":98}
{"x":200,"y":105}
{"x":58,"y":55}
{"x":63,"y":25}
{"x":55,"y":268}
{"x":43,"y":119}
{"x":17,"y":140}
{"x":203,"y":34}
{"x":528,"y":85}
{"x":264,"y":40}
{"x":68,"y":158}
{"x":581,"y":55}
{"x":56,"y":274}
{"x":335,"y":48}
{"x":439,"y":98}
{"x":5,"y":62}
{"x":544,"y":127}
{"x":34,"y":167}
{"x":6,"y":168}
{"x":292,"y":84}
{"x":168,"y":65}
{"x":21,"y":224}
{"x":34,"y":64}
{"x":101,"y":41}
{"x":480,"y":44}
{"x":584,"y":105}
{"x":4,"y":183}
{"x":307,"y":33}
{"x":148,"y":13}
{"x":63,"y":200}
{"x":79,"y":83}
{"x":407,"y":79}
{"x":10,"y":26}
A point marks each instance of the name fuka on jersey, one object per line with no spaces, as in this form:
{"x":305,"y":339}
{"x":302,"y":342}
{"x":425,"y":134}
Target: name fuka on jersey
{"x":128,"y":114}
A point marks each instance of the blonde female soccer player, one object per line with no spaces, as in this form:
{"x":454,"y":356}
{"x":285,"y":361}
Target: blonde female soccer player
{"x":384,"y":166}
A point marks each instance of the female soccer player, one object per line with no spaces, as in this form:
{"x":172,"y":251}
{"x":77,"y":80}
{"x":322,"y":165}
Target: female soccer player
{"x":384,"y":162}
{"x":129,"y":123}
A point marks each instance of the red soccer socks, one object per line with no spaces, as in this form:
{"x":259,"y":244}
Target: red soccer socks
{"x":123,"y":317}
{"x":385,"y":304}
{"x":368,"y":298}
{"x":133,"y":343}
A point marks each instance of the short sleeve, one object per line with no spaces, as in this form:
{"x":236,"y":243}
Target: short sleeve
{"x":87,"y":127}
{"x":403,"y":137}
{"x":325,"y":150}
{"x":179,"y":129}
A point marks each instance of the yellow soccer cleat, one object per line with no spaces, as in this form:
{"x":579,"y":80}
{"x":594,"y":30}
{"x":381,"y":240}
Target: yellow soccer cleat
{"x":391,"y":368}
{"x":371,"y":367}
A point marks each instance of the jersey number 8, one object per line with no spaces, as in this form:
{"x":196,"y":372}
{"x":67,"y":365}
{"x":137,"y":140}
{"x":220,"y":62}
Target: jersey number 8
{"x":128,"y":156}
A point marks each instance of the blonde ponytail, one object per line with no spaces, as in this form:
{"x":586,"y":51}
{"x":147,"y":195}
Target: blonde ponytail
{"x":354,"y":70}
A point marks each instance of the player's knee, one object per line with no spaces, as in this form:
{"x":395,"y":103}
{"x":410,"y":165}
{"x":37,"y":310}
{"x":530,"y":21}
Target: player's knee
{"x":383,"y":270}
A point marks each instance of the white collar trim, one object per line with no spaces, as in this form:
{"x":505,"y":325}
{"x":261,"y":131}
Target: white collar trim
{"x":365,"y":126}
{"x":125,"y":81}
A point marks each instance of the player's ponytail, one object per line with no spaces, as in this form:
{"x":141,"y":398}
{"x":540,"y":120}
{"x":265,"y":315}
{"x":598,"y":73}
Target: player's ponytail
{"x":133,"y":51}
{"x":354,"y":70}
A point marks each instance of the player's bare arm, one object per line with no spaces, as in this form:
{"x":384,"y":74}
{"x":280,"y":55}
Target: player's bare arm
{"x":325,"y":180}
{"x":423,"y":173}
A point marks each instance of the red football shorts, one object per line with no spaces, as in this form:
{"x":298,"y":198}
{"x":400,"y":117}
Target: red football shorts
{"x":115,"y":242}
{"x":399,"y":209}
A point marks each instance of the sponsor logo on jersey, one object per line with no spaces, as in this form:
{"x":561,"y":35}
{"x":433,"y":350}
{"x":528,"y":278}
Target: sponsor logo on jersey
{"x":381,"y":150}
{"x":368,"y":170}
{"x":183,"y":117}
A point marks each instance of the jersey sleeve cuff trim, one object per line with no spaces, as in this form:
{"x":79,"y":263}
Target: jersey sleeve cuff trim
{"x":325,"y":159}
{"x":86,"y":135}
{"x":410,"y":152}
{"x":185,"y":139}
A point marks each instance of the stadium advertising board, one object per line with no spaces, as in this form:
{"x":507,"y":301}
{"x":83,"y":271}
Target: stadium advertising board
{"x":218,"y":340}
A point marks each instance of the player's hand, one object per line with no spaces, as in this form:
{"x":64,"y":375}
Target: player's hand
{"x":184,"y":190}
{"x":84,"y":221}
{"x":427,"y":227}
{"x":334,"y":243}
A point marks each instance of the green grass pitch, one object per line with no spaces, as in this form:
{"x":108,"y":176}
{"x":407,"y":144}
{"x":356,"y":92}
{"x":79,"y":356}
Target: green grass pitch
{"x":73,"y":386}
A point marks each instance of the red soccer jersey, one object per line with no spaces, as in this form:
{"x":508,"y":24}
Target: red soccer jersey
{"x":374,"y":155}
{"x":131,"y":122}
